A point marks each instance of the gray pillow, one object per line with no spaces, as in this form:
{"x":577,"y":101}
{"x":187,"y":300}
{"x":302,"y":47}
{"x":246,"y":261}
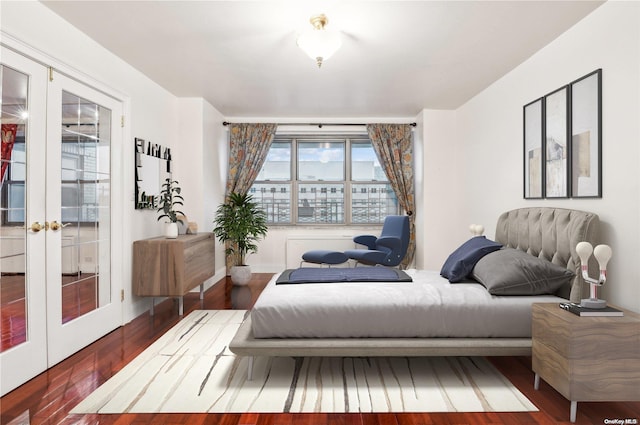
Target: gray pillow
{"x":513,"y":272}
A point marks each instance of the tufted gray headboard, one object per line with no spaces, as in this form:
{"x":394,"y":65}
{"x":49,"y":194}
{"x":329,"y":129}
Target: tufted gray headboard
{"x":552,"y":234}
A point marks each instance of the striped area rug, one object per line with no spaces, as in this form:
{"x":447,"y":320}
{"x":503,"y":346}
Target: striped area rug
{"x":191,"y":370}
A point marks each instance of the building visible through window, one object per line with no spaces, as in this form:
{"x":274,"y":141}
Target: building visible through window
{"x":329,"y":180}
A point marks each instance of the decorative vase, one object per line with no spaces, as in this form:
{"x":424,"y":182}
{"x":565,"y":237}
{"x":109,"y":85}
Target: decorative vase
{"x":171,"y":231}
{"x":240,"y":275}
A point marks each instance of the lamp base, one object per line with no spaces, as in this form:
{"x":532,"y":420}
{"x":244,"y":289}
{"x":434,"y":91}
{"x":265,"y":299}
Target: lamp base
{"x":593,"y":303}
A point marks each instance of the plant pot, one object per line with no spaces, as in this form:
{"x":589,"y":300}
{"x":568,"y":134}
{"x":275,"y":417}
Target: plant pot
{"x":240,"y":275}
{"x":171,"y":230}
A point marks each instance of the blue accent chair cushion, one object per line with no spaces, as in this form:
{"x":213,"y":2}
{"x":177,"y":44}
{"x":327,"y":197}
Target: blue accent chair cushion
{"x":389,"y":248}
{"x":324,"y":256}
{"x":462,"y":261}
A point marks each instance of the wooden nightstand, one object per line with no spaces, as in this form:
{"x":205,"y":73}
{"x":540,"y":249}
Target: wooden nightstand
{"x":586,"y":358}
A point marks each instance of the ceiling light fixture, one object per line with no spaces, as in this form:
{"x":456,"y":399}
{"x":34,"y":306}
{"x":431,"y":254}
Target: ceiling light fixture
{"x":319,"y":43}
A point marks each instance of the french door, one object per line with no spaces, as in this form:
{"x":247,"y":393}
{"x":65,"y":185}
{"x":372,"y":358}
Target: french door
{"x":57,"y":293}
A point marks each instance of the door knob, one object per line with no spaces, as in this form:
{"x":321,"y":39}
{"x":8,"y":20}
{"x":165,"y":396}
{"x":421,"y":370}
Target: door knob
{"x":55,"y":225}
{"x":36,"y":227}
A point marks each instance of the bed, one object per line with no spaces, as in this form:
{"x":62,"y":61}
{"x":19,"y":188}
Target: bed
{"x":353,"y":319}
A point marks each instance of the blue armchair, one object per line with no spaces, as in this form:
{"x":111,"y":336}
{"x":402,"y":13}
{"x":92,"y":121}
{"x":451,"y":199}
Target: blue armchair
{"x":389,"y":249}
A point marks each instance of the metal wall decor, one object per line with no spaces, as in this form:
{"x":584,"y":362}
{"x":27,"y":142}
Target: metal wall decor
{"x":562,"y":135}
{"x":152,"y":167}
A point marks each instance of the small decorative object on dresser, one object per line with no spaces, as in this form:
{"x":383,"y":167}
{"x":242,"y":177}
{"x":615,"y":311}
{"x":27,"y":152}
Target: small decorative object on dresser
{"x":586,"y":358}
{"x":168,"y":199}
{"x":192,"y":228}
{"x":603,"y":255}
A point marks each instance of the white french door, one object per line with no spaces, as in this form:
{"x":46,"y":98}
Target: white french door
{"x":23,"y":353}
{"x":83,"y":304}
{"x":62,"y":167}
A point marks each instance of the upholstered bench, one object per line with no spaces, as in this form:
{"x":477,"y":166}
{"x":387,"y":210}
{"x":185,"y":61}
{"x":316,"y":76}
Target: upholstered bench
{"x":324,"y":256}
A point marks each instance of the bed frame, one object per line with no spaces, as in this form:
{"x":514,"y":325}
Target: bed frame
{"x":549,"y":233}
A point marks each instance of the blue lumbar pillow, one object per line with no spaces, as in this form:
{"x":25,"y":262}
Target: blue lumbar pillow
{"x":461,"y":261}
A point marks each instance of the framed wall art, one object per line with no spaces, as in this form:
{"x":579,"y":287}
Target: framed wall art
{"x":533,"y":150}
{"x":586,"y":136}
{"x":556,"y":146}
{"x":563,"y":141}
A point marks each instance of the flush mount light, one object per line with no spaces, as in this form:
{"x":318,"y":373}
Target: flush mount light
{"x":318,"y":42}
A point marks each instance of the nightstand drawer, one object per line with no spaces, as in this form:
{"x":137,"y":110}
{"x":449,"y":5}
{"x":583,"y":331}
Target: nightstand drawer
{"x":552,"y":366}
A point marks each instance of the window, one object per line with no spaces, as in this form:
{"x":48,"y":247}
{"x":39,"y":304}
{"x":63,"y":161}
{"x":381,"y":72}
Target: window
{"x":84,"y":184}
{"x":14,"y":204}
{"x":329,"y":180}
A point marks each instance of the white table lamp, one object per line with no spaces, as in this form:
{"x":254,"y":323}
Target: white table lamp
{"x":603,"y":255}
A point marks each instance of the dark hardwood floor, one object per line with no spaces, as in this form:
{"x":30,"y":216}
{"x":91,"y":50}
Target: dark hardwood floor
{"x":48,"y":398}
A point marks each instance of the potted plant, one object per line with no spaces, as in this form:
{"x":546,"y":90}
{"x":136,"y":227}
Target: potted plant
{"x":168,"y":199}
{"x":239,"y":224}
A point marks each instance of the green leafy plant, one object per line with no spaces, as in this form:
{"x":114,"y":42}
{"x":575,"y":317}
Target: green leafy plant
{"x":242,"y":223}
{"x":168,"y":199}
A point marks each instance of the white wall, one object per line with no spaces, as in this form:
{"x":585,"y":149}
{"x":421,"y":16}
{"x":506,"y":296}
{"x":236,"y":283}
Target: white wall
{"x":418,"y":185}
{"x":152,"y":114}
{"x":489,"y":139}
{"x":214,"y":158}
{"x":442,"y":200}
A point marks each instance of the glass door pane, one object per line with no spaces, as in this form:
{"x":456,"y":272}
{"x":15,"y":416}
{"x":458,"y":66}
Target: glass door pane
{"x":85,"y":201}
{"x":13,"y":244}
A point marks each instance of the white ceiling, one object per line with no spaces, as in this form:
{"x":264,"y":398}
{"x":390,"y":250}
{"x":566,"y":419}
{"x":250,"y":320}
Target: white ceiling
{"x":397,"y":57}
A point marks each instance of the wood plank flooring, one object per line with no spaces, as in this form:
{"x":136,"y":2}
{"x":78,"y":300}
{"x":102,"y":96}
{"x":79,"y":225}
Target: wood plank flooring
{"x":49,"y":397}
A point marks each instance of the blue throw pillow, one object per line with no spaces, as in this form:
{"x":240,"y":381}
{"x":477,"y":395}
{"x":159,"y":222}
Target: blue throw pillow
{"x":461,"y":261}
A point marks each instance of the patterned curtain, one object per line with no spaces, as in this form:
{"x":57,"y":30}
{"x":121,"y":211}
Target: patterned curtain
{"x":248,"y":148}
{"x":393,"y":146}
{"x":8,"y":139}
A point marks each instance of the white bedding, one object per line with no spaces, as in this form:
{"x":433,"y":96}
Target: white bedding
{"x":428,"y":307}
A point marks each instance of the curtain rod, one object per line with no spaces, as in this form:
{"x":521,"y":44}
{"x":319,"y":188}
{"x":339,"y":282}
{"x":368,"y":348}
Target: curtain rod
{"x":320,"y":125}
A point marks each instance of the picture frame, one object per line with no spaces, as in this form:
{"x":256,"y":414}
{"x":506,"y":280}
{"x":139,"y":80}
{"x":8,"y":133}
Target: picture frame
{"x":586,"y":136}
{"x":557,"y":149}
{"x":533,"y":150}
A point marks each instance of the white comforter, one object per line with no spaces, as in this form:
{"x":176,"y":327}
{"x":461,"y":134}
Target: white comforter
{"x":427,"y":307}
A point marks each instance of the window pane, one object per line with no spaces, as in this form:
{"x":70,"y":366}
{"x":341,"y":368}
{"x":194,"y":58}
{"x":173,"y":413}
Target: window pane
{"x":275,"y":200}
{"x":371,"y":203}
{"x":321,"y":203}
{"x":15,"y":213}
{"x":364,"y":163}
{"x":277,"y":166}
{"x":18,"y":162}
{"x":321,"y":161}
{"x":14,"y":181}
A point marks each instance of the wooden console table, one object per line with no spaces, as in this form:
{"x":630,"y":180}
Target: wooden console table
{"x":172,"y":267}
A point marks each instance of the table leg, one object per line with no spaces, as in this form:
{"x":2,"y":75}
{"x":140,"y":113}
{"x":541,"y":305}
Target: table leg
{"x":574,"y":411}
{"x":153,"y":304}
{"x":202,"y":291}
{"x":536,"y":382}
{"x":180,"y":306}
